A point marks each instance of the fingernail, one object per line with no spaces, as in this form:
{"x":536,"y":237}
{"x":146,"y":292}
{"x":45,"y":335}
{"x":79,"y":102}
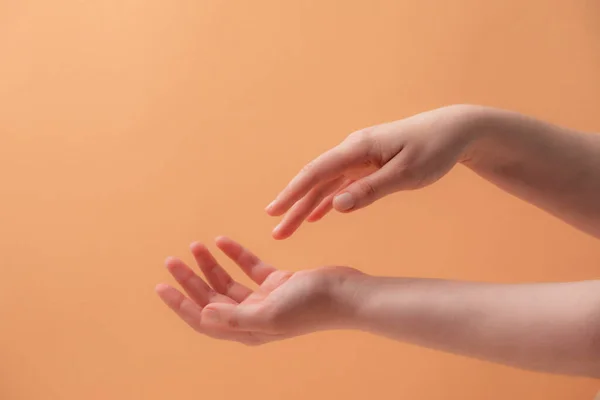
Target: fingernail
{"x":343,"y":202}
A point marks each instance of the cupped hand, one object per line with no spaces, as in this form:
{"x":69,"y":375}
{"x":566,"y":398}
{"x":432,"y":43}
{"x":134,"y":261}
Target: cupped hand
{"x":285,"y":304}
{"x":374,"y":162}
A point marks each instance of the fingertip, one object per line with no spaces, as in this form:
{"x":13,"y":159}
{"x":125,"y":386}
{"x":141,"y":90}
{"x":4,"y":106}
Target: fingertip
{"x":279,"y":233}
{"x":161,"y":288}
{"x":169,"y":295}
{"x":222,"y":239}
{"x":275,"y":209}
{"x":227,"y":245}
{"x":276,"y":233}
{"x":170,"y":261}
{"x":269,"y":208}
{"x":196,"y":246}
{"x":315,"y":216}
{"x":321,"y":211}
{"x":275,"y":213}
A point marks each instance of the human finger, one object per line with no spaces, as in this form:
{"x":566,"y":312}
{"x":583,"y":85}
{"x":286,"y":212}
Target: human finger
{"x":216,"y":275}
{"x":252,"y":266}
{"x":326,"y":204}
{"x":193,"y":285}
{"x":325,"y":167}
{"x":302,"y":209}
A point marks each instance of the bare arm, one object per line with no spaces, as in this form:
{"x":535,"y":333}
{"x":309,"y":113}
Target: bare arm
{"x":554,"y":168}
{"x":550,"y":327}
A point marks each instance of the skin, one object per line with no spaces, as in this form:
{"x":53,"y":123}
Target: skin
{"x":549,"y":327}
{"x":554,"y":168}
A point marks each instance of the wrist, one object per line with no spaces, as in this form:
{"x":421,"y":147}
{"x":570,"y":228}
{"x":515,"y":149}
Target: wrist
{"x":484,"y":129}
{"x":470,"y":124}
{"x":350,"y":291}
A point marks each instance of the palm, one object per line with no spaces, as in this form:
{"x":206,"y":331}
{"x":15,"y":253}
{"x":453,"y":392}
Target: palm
{"x":282,"y":296}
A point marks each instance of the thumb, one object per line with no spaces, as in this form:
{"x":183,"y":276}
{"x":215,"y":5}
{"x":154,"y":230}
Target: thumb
{"x":366,"y":190}
{"x":239,"y":317}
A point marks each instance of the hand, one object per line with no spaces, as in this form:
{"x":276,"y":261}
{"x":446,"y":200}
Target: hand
{"x":374,"y":162}
{"x":285,"y":304}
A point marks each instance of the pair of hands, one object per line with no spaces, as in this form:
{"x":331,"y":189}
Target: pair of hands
{"x":368,"y":165}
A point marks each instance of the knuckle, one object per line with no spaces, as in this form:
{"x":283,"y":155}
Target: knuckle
{"x":367,"y":145}
{"x":366,"y":188}
{"x":277,"y":278}
{"x":362,"y":136}
{"x":308,"y":169}
{"x":309,"y":174}
{"x":282,"y":276}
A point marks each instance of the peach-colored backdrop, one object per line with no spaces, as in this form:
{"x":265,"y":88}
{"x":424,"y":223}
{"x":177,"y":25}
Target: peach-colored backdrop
{"x":130,"y":128}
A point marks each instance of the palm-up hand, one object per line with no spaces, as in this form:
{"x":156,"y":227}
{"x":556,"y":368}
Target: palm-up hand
{"x":285,"y":304}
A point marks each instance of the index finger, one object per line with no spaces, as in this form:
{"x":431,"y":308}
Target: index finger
{"x":326,"y":167}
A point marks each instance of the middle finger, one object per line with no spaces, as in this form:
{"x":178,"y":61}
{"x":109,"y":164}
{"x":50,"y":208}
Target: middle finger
{"x":302,"y":209}
{"x":217,"y":277}
{"x":193,"y":285}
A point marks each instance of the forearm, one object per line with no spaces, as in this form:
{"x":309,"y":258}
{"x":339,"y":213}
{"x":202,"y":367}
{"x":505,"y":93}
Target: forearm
{"x":554,"y":168}
{"x":552,"y":327}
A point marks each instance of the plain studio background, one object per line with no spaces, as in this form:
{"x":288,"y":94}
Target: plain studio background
{"x":130,"y":128}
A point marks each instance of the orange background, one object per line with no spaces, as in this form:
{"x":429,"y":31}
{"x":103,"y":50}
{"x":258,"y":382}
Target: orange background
{"x":130,"y":128}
